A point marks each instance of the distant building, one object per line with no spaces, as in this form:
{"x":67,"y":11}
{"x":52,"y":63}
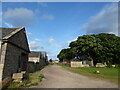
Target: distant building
{"x":82,"y":62}
{"x":37,"y":58}
{"x":14,"y":52}
{"x":56,"y":61}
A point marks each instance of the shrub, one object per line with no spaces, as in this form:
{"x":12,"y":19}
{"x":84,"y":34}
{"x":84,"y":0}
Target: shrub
{"x":109,"y":65}
{"x":117,"y":66}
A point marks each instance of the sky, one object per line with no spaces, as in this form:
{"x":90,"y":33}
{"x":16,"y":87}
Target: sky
{"x":51,"y":26}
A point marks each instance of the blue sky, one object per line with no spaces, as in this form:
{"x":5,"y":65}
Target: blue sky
{"x":52,"y":26}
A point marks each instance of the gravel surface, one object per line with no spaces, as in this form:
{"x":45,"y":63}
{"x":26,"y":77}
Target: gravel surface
{"x":58,"y":77}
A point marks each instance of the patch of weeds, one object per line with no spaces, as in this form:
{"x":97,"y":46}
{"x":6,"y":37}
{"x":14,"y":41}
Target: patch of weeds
{"x":41,"y":76}
{"x":31,"y":81}
{"x":15,"y":85}
{"x":34,"y":84}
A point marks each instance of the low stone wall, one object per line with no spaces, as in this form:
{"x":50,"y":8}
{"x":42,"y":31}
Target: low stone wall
{"x":1,"y":70}
{"x":100,"y":65}
{"x":34,"y":66}
{"x":76,"y":64}
{"x":86,"y":65}
{"x":31,"y":67}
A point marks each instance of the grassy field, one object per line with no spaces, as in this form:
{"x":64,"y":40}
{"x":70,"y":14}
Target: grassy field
{"x":110,"y":74}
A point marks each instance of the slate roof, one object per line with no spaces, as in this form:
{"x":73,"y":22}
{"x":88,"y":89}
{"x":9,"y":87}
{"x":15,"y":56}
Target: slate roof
{"x":7,"y":31}
{"x":37,"y":53}
{"x":34,"y":54}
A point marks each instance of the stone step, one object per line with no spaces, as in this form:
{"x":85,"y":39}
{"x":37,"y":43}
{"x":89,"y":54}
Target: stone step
{"x":18,"y":76}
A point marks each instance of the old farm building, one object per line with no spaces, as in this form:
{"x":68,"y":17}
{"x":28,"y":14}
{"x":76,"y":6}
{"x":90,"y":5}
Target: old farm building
{"x":37,"y":59}
{"x":14,"y":52}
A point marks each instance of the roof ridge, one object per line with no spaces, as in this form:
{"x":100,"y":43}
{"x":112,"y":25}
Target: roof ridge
{"x":12,"y":33}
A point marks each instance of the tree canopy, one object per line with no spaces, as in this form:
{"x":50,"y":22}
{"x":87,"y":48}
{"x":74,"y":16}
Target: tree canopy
{"x":98,"y":47}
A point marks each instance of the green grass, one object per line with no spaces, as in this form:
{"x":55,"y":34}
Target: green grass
{"x":110,"y":74}
{"x":31,"y":81}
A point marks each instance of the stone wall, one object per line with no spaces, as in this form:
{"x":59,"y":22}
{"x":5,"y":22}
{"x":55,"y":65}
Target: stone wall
{"x":20,"y":39}
{"x":34,"y":59}
{"x":11,"y":63}
{"x":3,"y":52}
{"x":33,"y":65}
{"x":1,"y":70}
{"x":76,"y":64}
{"x":14,"y":54}
{"x":42,"y":62}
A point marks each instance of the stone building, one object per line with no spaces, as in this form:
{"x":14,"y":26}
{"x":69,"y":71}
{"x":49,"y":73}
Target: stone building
{"x":14,"y":52}
{"x":37,"y":59}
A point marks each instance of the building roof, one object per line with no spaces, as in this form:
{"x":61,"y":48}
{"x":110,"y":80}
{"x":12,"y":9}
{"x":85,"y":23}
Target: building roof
{"x":36,"y":53}
{"x":7,"y":31}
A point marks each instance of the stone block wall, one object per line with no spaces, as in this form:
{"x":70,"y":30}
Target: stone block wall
{"x":11,"y":60}
{"x":20,"y":39}
{"x":42,"y":62}
{"x":34,"y":59}
{"x":76,"y":64}
{"x":31,"y":66}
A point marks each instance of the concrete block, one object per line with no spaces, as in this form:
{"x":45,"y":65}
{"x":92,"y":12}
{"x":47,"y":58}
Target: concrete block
{"x":76,"y":64}
{"x":100,"y":65}
{"x":113,"y":65}
{"x":17,"y":77}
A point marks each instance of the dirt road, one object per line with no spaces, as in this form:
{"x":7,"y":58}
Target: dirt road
{"x":58,"y":77}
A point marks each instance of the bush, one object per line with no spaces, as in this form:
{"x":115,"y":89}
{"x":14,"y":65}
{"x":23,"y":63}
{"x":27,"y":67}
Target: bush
{"x":117,"y":66}
{"x":109,"y":65}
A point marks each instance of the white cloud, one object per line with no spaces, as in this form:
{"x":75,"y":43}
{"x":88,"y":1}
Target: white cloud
{"x":9,"y":25}
{"x":50,"y":40}
{"x":28,"y":33}
{"x":48,"y":16}
{"x":19,"y":17}
{"x":35,"y":45}
{"x":36,"y":39}
{"x":18,"y":12}
{"x":105,"y":21}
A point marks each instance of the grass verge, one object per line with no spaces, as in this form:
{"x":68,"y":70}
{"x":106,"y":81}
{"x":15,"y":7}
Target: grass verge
{"x":31,"y":81}
{"x":110,"y":74}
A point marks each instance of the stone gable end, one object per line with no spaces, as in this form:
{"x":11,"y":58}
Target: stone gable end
{"x":20,"y":39}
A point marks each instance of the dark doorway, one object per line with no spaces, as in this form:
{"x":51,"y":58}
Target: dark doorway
{"x":22,"y":62}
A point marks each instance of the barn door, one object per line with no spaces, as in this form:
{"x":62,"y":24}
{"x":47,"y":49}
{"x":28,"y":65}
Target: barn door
{"x":24,"y":61}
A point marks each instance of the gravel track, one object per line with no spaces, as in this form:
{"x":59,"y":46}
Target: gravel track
{"x":58,"y":77}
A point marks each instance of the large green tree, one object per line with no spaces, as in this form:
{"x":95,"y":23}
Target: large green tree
{"x":99,"y":48}
{"x":65,"y":54}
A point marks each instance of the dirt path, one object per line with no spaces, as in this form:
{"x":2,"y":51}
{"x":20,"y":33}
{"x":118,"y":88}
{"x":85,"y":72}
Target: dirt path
{"x":58,"y":77}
